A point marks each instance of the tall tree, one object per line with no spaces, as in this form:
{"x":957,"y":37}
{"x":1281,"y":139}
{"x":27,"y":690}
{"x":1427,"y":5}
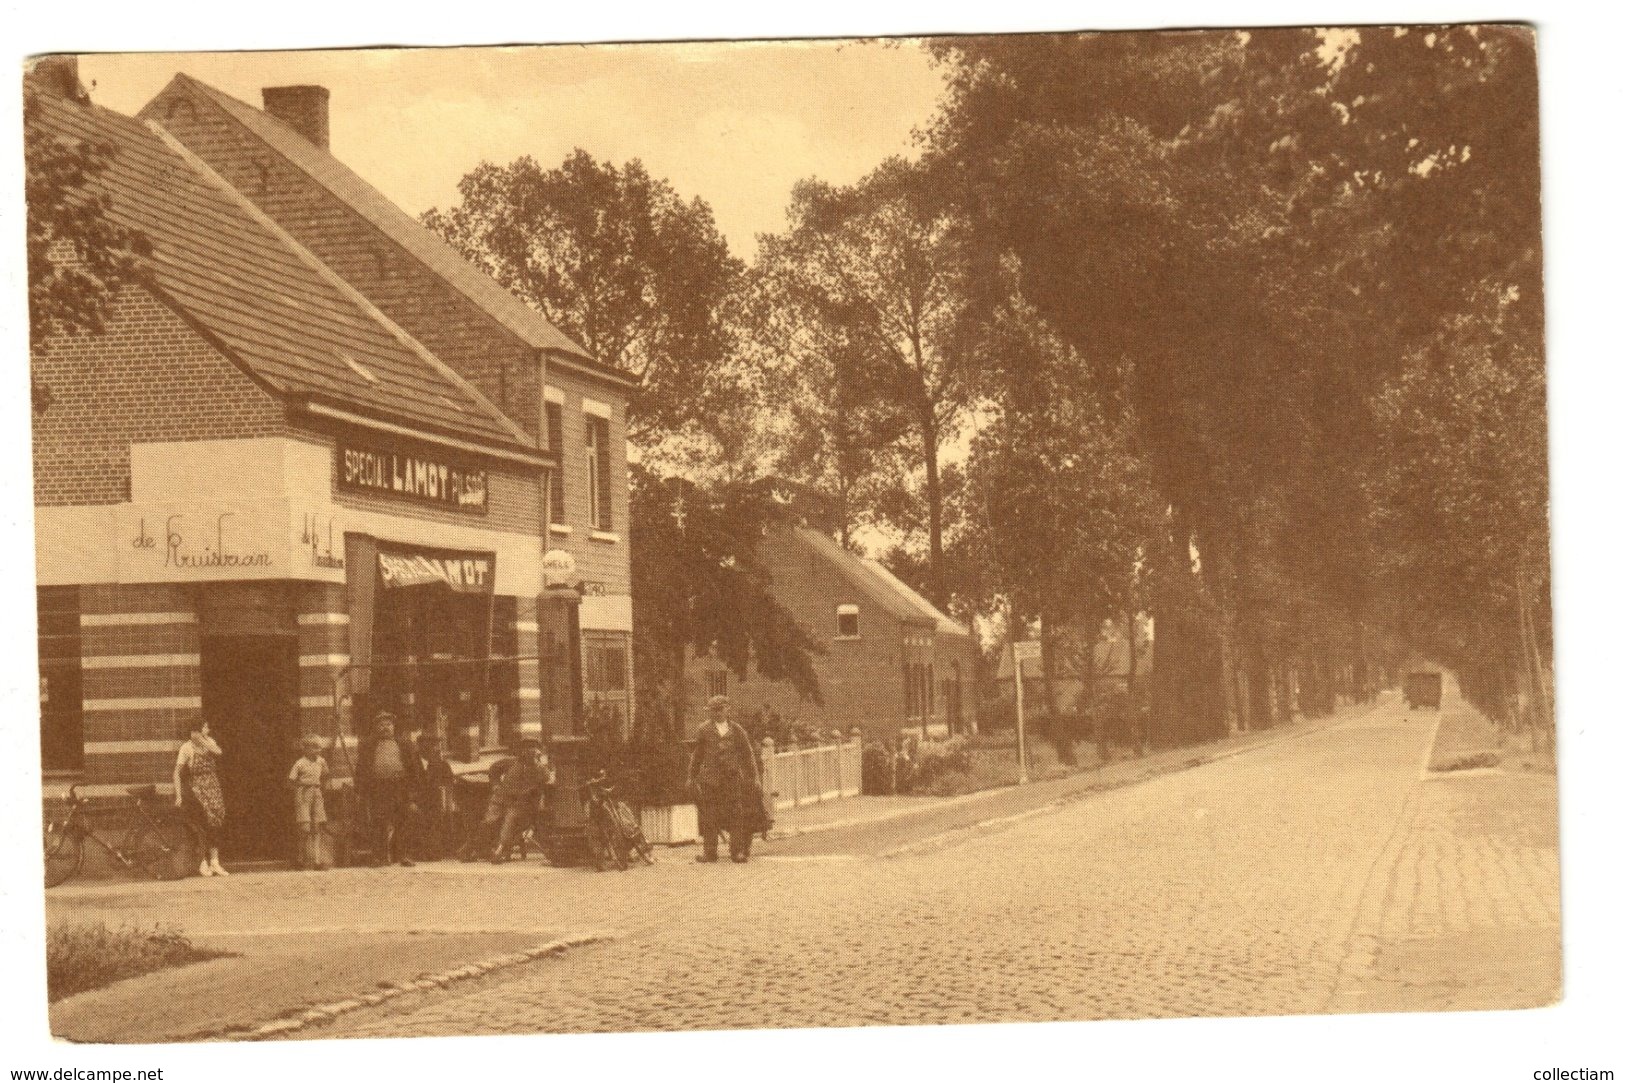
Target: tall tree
{"x":871,"y":278}
{"x":1459,"y":505}
{"x":1062,"y":502}
{"x":618,"y":260}
{"x":844,"y":443}
{"x":699,"y":584}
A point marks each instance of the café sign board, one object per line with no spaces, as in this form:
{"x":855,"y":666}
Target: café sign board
{"x":467,"y":574}
{"x":411,"y":476}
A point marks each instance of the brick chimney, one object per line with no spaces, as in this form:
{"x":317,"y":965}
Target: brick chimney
{"x":57,"y":75}
{"x":302,"y":108}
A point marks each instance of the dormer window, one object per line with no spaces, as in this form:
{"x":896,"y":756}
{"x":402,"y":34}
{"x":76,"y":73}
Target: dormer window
{"x":846,"y":622}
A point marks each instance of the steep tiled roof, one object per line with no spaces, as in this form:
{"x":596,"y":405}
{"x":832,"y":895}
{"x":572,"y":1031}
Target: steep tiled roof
{"x":945,"y":624}
{"x":519,"y":318}
{"x":858,"y":572}
{"x":259,"y":297}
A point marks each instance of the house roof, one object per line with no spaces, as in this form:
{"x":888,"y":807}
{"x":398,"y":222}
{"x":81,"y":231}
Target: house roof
{"x":420,"y":242}
{"x":945,"y":624}
{"x":260,"y":298}
{"x":873,"y":582}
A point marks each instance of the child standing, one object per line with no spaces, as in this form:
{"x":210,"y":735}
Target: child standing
{"x":309,"y":780}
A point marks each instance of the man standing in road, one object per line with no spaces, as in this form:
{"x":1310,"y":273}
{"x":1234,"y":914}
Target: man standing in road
{"x":726,"y":785}
{"x":386,"y":780}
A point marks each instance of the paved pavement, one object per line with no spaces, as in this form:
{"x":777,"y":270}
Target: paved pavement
{"x":1315,"y":871}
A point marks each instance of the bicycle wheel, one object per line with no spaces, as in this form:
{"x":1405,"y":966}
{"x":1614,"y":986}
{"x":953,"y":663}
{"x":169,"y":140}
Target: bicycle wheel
{"x":64,"y":853}
{"x":162,"y":851}
{"x":598,"y":841}
{"x":643,"y":849}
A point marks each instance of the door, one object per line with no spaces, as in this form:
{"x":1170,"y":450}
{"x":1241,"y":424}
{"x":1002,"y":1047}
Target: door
{"x":251,"y":702}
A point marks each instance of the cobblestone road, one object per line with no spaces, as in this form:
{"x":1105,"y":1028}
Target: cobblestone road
{"x":1318,"y":873}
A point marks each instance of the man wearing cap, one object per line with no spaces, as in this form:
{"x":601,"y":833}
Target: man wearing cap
{"x":386,"y":779}
{"x":515,"y":800}
{"x":723,"y":777}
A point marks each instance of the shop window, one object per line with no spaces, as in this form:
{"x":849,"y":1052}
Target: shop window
{"x":846,"y":622}
{"x":599,"y":473}
{"x":605,"y":664}
{"x":555,"y":476}
{"x":62,"y":731}
{"x":607,"y":680}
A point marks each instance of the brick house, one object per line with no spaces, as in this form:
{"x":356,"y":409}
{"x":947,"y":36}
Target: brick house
{"x":892,"y":663}
{"x":260,"y":490}
{"x":278,"y":158}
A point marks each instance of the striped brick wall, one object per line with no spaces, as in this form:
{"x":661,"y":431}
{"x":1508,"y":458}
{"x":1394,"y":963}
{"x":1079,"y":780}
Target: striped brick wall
{"x":324,"y":651}
{"x":140,"y":682}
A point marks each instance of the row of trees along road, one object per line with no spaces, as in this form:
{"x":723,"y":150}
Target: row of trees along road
{"x":1309,"y":264}
{"x":1239,"y":331}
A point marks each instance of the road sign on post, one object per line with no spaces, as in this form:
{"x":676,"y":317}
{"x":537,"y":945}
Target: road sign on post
{"x":1020,"y":652}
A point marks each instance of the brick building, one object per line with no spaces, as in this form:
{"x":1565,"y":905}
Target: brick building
{"x":892,"y":663}
{"x":313,"y":452}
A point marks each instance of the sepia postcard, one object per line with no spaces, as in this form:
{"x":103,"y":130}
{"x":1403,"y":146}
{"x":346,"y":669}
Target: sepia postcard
{"x":791,"y":534}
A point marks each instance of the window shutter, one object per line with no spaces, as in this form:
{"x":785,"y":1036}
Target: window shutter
{"x":601,"y":449}
{"x":555,"y":481}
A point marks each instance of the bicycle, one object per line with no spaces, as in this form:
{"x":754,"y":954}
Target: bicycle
{"x":158,"y":845}
{"x":613,"y":829}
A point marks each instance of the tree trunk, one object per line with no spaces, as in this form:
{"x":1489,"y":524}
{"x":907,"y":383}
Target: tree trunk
{"x":1140,"y":721}
{"x":1230,"y":676}
{"x":1282,"y":679}
{"x":679,"y":697}
{"x":1259,"y":712}
{"x":933,"y":502}
{"x":1060,"y":734}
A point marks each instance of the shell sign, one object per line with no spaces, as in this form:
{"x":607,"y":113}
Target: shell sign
{"x":558,"y":567}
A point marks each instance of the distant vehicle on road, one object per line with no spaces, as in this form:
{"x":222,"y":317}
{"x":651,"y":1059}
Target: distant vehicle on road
{"x":1424,"y":689}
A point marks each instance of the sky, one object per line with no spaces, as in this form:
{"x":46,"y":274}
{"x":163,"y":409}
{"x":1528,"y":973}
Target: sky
{"x":734,"y":123}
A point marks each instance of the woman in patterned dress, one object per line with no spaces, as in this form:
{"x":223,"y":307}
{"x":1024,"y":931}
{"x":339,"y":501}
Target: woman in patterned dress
{"x":197,"y":790}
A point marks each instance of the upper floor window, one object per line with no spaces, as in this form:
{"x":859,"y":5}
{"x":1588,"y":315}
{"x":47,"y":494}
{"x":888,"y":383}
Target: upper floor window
{"x":846,"y":622}
{"x":555,"y":476}
{"x":599,"y":473}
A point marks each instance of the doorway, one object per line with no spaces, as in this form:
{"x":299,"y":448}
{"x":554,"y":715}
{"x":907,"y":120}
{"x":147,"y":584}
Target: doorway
{"x":251,"y":701}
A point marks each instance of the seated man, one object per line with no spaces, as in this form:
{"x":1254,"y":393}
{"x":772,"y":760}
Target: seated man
{"x":514,"y":802}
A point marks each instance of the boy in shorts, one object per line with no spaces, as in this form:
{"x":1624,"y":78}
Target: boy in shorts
{"x":309,"y":781}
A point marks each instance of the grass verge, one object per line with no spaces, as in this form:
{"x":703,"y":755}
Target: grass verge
{"x":84,"y":956}
{"x":1467,"y":740}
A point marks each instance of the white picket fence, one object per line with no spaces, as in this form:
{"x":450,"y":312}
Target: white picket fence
{"x":823,"y":772}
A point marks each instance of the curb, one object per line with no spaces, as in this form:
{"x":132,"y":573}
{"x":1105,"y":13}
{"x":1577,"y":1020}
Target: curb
{"x":325,"y":1013}
{"x":1198,"y":758}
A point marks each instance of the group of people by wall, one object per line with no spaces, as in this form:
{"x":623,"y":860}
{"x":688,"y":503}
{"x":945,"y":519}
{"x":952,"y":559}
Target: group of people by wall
{"x":411,"y":804}
{"x":407,"y":799}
